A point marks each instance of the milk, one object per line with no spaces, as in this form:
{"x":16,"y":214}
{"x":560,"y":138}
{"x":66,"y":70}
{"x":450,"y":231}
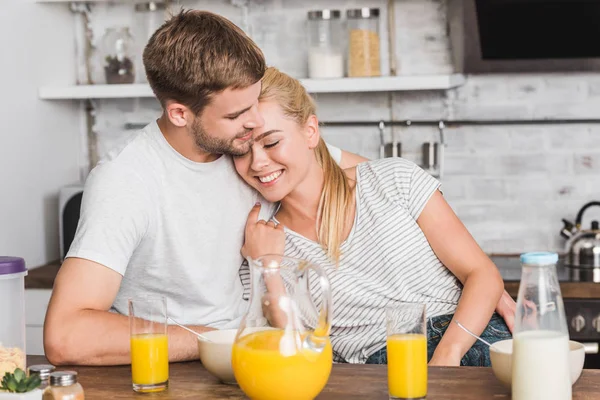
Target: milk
{"x":540,"y":366}
{"x":324,"y":63}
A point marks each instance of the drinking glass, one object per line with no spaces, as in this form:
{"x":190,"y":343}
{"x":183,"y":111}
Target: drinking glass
{"x":149,"y":344}
{"x":407,"y":351}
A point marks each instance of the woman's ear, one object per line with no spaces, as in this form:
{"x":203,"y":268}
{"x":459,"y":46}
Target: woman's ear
{"x":178,"y":114}
{"x":312,"y":132}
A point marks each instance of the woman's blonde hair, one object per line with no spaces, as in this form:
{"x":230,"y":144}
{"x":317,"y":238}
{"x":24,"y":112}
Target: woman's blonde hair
{"x":336,"y":197}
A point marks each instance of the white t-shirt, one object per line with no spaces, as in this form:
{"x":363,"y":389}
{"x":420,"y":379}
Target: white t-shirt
{"x":171,"y":227}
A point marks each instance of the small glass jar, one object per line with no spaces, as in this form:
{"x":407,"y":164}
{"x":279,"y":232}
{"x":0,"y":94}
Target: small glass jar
{"x":43,"y":371}
{"x":325,"y":53}
{"x":149,"y":17}
{"x":363,"y":42}
{"x":64,"y":386}
{"x":118,"y":56}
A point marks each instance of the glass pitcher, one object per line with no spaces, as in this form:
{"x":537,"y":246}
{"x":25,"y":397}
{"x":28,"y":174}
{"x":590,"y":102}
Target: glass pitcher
{"x":540,"y":361}
{"x":282,"y":348}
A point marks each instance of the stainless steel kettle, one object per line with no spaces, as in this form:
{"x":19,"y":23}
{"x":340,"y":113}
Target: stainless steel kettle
{"x":583,"y":245}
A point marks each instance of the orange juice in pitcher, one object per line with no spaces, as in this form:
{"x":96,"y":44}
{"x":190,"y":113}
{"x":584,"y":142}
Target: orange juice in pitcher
{"x":266,"y":370}
{"x":282,"y":348}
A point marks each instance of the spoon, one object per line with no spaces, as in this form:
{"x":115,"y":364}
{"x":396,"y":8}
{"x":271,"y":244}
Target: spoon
{"x":200,"y":336}
{"x":471,"y":333}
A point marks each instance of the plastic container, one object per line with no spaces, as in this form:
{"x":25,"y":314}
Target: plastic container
{"x":363,"y":42}
{"x":12,"y":325}
{"x":325,"y":48}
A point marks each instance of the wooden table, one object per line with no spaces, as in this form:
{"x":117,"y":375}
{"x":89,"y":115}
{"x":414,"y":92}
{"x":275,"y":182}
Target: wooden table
{"x":191,"y":381}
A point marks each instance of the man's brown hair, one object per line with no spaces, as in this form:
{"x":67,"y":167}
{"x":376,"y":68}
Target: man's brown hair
{"x":196,"y":54}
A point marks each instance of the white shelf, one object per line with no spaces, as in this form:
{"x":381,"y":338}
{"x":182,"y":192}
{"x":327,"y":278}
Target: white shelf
{"x":343,"y":85}
{"x":95,"y":92}
{"x":79,"y":1}
{"x":384,"y":83}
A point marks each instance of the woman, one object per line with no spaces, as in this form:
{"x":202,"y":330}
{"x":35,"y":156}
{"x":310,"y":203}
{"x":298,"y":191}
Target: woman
{"x":382,"y":231}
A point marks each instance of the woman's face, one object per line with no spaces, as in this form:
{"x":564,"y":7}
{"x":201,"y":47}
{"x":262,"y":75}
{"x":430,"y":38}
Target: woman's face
{"x":282,"y":154}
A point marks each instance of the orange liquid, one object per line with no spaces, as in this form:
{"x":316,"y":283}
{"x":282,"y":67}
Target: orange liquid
{"x":407,"y":365}
{"x":149,"y":359}
{"x":268,"y":366}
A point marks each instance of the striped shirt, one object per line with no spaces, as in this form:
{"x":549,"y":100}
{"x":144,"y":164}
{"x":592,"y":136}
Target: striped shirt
{"x":385,"y":260}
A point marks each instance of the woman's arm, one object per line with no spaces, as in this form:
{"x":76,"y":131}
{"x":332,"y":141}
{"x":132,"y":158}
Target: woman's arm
{"x":483,"y":285}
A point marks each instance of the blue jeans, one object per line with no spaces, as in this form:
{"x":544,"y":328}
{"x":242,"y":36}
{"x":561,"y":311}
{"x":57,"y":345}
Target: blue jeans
{"x":477,"y":356}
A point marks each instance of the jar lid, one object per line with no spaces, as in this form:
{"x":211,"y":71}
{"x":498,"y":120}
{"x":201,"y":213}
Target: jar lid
{"x":11,"y":265}
{"x":63,"y":378}
{"x":364,"y":12}
{"x":43,"y":370}
{"x":539,"y":258}
{"x":324,"y":14}
{"x":151,"y":6}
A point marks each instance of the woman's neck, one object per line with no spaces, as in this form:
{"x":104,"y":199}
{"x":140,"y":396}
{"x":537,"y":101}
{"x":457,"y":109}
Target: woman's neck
{"x":298,"y":210}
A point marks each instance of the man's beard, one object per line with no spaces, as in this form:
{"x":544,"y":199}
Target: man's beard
{"x":219,"y":146}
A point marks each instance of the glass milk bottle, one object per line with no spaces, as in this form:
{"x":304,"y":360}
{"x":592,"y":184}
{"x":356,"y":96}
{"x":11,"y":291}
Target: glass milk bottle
{"x":540,"y":361}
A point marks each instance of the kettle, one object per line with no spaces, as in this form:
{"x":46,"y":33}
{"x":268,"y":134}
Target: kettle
{"x":583,"y":245}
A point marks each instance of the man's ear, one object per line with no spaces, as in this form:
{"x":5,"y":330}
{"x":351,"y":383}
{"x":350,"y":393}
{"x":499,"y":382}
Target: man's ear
{"x":312,"y":132}
{"x":179,"y":115}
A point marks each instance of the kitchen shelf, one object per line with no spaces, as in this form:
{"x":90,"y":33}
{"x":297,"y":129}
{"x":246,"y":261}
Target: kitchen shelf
{"x":342,"y":85}
{"x":81,"y":1}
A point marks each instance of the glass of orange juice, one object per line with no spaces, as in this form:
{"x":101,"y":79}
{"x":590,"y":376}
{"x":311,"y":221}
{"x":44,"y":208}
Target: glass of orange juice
{"x":407,"y":351}
{"x":149,"y":344}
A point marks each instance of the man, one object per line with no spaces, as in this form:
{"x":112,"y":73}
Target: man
{"x":165,"y":214}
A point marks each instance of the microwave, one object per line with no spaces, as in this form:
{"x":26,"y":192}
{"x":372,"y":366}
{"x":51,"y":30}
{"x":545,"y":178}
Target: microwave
{"x":489,"y":36}
{"x":69,"y":209}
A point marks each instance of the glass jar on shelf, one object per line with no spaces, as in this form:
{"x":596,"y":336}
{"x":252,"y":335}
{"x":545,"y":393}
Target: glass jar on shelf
{"x":149,"y":16}
{"x":325,"y":53}
{"x":363,"y":42}
{"x":118,"y":56}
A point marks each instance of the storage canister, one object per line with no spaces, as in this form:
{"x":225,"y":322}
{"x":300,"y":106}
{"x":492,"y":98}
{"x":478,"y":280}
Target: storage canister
{"x":325,"y":48}
{"x":363,"y":42}
{"x":12,"y":302}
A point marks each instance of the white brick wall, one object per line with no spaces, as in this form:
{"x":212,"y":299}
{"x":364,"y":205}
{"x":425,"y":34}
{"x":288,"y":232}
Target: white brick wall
{"x":510,"y":184}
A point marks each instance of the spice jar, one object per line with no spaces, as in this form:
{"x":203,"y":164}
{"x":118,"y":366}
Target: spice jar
{"x":363,"y":42}
{"x":12,"y":322}
{"x":149,"y":17}
{"x":64,"y":386}
{"x":325,"y":54}
{"x":43,"y":371}
{"x":118,"y":56}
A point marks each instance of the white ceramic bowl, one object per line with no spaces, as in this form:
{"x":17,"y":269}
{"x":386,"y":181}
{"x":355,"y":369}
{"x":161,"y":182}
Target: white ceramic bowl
{"x":501,"y":358}
{"x":216,"y":355}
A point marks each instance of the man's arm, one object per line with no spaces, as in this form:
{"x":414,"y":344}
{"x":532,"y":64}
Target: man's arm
{"x":79,"y":329}
{"x":350,"y":160}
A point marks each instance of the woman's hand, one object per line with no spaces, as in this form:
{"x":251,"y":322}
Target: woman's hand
{"x":262,"y":237}
{"x":507,"y":307}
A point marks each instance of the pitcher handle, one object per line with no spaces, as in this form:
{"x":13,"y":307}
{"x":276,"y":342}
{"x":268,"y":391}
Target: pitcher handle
{"x":320,"y":336}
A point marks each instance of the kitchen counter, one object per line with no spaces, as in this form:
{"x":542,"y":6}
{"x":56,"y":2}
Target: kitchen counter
{"x":191,"y":381}
{"x":42,"y":277}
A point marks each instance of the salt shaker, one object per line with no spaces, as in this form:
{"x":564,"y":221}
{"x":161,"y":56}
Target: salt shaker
{"x":43,"y":371}
{"x":64,"y":386}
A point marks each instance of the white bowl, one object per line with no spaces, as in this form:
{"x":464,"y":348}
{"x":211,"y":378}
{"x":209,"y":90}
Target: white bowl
{"x":216,"y":355}
{"x":501,"y":358}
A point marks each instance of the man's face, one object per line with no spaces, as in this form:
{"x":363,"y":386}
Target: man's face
{"x":225,"y":125}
